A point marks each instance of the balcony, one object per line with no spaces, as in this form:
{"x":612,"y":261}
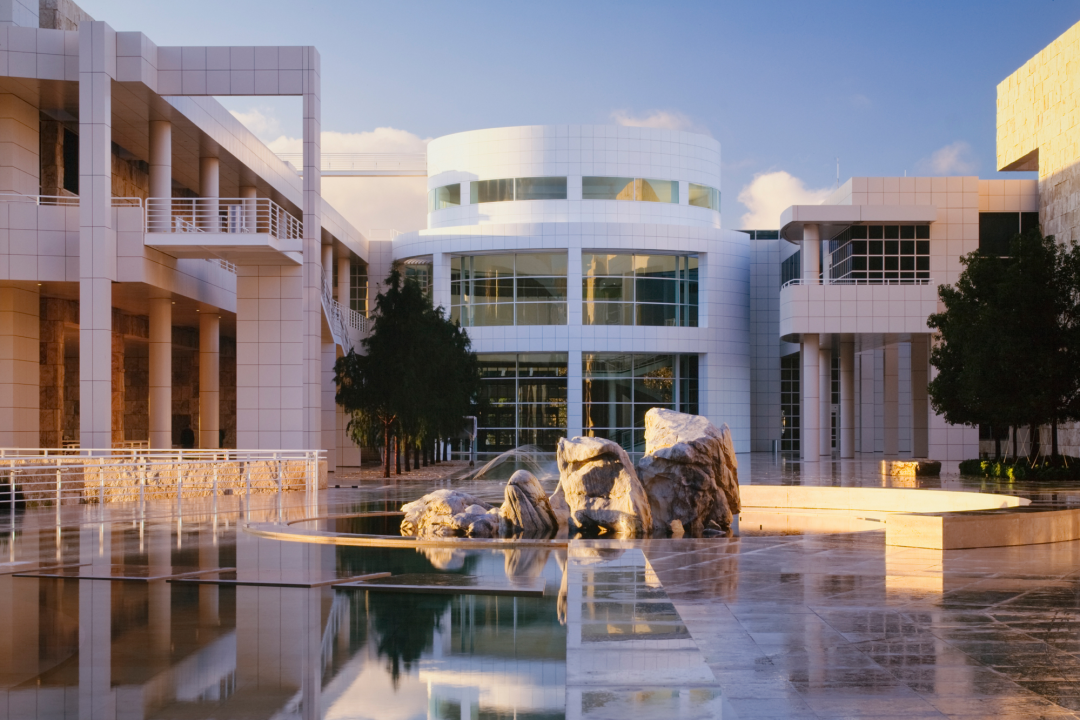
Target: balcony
{"x":239,"y":230}
{"x":885,"y":306}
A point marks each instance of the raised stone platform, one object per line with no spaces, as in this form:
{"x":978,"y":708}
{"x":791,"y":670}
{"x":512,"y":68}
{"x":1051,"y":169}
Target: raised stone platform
{"x":883,"y":500}
{"x":982,"y":529}
{"x":911,"y":468}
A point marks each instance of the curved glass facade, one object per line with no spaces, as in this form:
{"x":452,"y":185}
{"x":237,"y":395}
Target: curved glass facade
{"x":638,"y":289}
{"x":704,"y":196}
{"x":622,"y":188}
{"x":619,"y":388}
{"x":508,"y":289}
{"x":527,"y":188}
{"x":444,"y":197}
{"x":523,"y":401}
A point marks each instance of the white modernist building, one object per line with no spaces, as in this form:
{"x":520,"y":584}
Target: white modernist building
{"x":589,"y":266}
{"x":165,"y":279}
{"x":841,"y":359}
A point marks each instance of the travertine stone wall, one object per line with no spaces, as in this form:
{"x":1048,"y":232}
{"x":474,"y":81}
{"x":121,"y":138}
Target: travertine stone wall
{"x":60,"y":15}
{"x":130,"y":177}
{"x":227,"y":390}
{"x":51,"y":157}
{"x":56,"y":315}
{"x":1038,"y":128}
{"x":117,"y":385}
{"x":137,"y":391}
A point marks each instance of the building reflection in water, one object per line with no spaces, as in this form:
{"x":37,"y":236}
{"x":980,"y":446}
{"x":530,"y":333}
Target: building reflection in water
{"x":100,"y":649}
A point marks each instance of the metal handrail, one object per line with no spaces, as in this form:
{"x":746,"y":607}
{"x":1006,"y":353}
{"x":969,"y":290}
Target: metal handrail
{"x":222,"y":215}
{"x":64,"y":200}
{"x":64,"y":479}
{"x":858,"y":281}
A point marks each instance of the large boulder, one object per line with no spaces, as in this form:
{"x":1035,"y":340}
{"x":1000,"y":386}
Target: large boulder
{"x":449,"y":513}
{"x":689,"y":472}
{"x":598,"y":488}
{"x":526,"y":509}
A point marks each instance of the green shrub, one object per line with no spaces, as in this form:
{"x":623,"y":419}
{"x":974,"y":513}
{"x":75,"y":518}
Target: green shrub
{"x":1043,"y":469}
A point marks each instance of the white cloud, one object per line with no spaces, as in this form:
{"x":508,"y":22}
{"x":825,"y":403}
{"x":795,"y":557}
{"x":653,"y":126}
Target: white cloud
{"x":954,"y":159}
{"x":371,"y":202}
{"x":663,"y":119}
{"x":379,"y":140}
{"x":769,"y":194}
{"x":259,"y":120}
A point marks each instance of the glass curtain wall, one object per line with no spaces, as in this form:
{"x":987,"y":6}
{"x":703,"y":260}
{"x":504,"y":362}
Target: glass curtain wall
{"x":789,"y":403}
{"x":523,"y":401}
{"x":881,"y":252}
{"x":444,"y":197}
{"x":510,"y":289}
{"x":358,"y":287}
{"x":619,"y":388}
{"x":651,"y":290}
{"x":531,"y":188}
{"x":705,"y":196}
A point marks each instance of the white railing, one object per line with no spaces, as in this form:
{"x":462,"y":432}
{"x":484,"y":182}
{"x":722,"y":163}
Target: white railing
{"x":221,"y":215}
{"x":342,"y":318}
{"x":64,"y":200}
{"x":856,"y":281}
{"x":364,"y":163}
{"x":223,"y":264}
{"x":54,"y":477}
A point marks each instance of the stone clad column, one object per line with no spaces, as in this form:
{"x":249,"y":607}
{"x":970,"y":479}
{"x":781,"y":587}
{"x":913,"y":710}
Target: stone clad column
{"x":20,"y":369}
{"x":312,"y":270}
{"x":847,"y":397}
{"x":210,"y":190}
{"x":161,"y":371}
{"x":328,"y":264}
{"x":97,"y":236}
{"x":809,"y":417}
{"x":161,"y":174}
{"x":209,"y":379}
{"x":920,"y":401}
{"x":892,"y":400}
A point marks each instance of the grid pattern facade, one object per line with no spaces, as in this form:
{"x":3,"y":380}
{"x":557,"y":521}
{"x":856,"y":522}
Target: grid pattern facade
{"x":649,"y":290}
{"x":522,"y":401}
{"x":881,"y":252}
{"x":789,"y":403}
{"x":508,"y":289}
{"x":618,"y":389}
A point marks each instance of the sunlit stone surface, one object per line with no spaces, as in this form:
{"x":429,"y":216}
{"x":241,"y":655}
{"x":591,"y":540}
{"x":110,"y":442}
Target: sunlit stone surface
{"x":792,"y":619}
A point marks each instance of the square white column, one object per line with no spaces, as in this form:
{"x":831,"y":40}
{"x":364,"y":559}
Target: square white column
{"x":809,"y":384}
{"x":892,"y":400}
{"x":97,"y":236}
{"x":310,"y":371}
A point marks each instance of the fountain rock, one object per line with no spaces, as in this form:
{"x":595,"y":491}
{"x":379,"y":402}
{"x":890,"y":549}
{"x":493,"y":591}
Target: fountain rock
{"x":526,"y":508}
{"x":598,"y":487}
{"x":447,"y":513}
{"x":689,"y":472}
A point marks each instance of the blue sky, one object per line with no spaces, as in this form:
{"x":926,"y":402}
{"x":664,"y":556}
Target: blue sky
{"x":788,"y":87}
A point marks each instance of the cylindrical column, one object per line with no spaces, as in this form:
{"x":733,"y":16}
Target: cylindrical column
{"x":847,"y":398}
{"x":811,"y":255}
{"x":344,"y":280}
{"x":249,"y":195}
{"x":161,"y":372}
{"x":825,"y":400}
{"x":808,"y":400}
{"x":328,"y":264}
{"x":209,"y":374}
{"x":161,"y":174}
{"x":210,"y":190}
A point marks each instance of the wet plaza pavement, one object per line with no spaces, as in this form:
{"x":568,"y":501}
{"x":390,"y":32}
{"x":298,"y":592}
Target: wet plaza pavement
{"x":770,"y":624}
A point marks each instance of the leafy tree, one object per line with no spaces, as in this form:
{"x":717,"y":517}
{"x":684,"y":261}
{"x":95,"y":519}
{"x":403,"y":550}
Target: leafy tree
{"x":417,"y":376}
{"x":1007,"y":349}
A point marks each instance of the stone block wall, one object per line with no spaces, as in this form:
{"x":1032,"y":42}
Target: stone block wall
{"x":1038,"y":128}
{"x":56,"y":316}
{"x":227,"y":390}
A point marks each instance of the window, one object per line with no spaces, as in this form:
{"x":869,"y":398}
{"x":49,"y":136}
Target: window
{"x":639,"y":289}
{"x":534,"y":188}
{"x":619,"y":388}
{"x":996,"y":230}
{"x":358,"y":287}
{"x":789,"y":403}
{"x":444,"y":197}
{"x":525,"y":398}
{"x":511,"y":289}
{"x":622,"y":188}
{"x":417,"y":270}
{"x":881,"y":252}
{"x":706,"y":197}
{"x":791,"y":268}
